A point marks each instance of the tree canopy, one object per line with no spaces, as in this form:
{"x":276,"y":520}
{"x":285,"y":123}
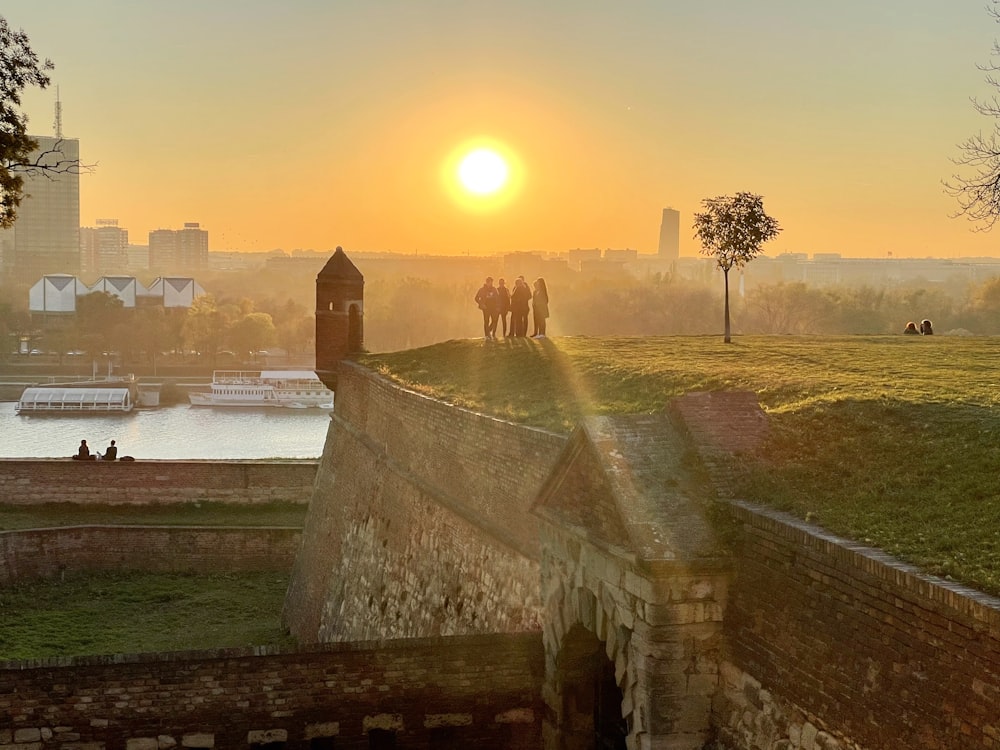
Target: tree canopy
{"x":19,"y":152}
{"x":732,"y":229}
{"x":19,"y":68}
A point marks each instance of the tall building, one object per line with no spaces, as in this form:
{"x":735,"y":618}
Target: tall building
{"x":45,"y":237}
{"x":104,"y":248}
{"x":185,"y":248}
{"x":670,"y":234}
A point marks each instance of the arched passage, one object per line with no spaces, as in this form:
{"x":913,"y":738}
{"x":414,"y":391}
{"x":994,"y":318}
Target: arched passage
{"x":591,"y":700}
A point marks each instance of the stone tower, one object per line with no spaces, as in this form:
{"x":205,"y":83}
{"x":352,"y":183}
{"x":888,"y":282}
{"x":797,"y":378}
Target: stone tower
{"x":340,"y":291}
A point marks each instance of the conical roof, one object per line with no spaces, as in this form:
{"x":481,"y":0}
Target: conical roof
{"x":340,"y":267}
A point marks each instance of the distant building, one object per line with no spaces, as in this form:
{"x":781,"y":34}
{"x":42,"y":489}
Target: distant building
{"x":56,"y":294}
{"x":104,"y":247}
{"x":45,"y":237}
{"x":670,"y":234}
{"x":185,"y":248}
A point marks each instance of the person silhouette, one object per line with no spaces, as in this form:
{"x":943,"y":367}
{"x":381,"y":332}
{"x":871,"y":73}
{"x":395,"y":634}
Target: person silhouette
{"x":111,"y":454}
{"x":83,"y":453}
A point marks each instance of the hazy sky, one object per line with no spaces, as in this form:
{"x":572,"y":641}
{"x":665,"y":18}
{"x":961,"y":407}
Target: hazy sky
{"x":316,"y":123}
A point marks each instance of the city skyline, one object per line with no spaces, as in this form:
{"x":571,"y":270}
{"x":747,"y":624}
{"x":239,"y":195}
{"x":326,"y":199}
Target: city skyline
{"x":315,"y":125}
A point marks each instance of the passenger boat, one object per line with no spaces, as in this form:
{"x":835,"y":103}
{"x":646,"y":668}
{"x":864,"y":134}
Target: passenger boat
{"x":296,"y":389}
{"x":65,"y":400}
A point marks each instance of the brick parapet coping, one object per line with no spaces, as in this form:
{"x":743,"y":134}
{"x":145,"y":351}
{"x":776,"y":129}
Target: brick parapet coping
{"x":931,"y":590}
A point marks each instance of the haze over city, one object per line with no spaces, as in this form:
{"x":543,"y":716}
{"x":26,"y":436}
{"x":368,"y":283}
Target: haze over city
{"x":312,"y":124}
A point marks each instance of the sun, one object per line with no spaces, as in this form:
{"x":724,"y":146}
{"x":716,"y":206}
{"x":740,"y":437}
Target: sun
{"x":483,"y":171}
{"x":482,"y":174}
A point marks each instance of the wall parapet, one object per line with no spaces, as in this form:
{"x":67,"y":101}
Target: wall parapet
{"x":332,"y":693}
{"x":43,"y":553}
{"x":148,"y":482}
{"x":842,"y":632}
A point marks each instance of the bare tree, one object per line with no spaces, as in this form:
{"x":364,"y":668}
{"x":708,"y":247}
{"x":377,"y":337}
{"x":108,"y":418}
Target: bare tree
{"x":732,"y":229}
{"x":19,"y":154}
{"x":976,"y":184}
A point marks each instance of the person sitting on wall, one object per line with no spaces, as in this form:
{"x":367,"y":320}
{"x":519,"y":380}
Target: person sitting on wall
{"x":111,"y":454}
{"x":911,"y":329}
{"x":83,"y":454}
{"x":925,"y":328}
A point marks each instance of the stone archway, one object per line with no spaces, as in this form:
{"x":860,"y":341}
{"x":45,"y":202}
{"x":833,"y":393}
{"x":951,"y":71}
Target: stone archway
{"x":591,"y":699}
{"x":614,"y":634}
{"x":590,"y":684}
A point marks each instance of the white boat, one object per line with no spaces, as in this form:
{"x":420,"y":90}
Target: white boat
{"x":97,"y":399}
{"x":294,"y":389}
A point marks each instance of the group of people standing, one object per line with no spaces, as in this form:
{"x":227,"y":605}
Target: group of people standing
{"x":496,"y":302}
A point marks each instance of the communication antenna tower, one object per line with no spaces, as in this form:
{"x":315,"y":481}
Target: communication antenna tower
{"x":57,"y":125}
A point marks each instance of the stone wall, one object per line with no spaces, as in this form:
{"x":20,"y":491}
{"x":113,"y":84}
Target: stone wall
{"x":836,"y":645}
{"x":56,"y":480}
{"x":478,"y":692}
{"x":420,"y":524}
{"x":42,"y":553}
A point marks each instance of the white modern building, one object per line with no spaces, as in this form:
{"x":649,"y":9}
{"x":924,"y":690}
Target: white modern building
{"x":57,"y":293}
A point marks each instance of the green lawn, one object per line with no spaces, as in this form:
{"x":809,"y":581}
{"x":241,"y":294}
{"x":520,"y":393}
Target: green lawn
{"x":889,"y":440}
{"x":142,"y":612}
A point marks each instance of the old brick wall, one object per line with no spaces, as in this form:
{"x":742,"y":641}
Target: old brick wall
{"x":480,"y":691}
{"x":42,"y":553}
{"x":420,"y":522}
{"x":35,"y":481}
{"x":834,"y":644}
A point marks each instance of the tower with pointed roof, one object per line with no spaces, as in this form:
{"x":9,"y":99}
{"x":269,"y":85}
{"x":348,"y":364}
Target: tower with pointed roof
{"x":340,"y":291}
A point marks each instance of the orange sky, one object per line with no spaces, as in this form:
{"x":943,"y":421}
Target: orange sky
{"x":316,"y":124}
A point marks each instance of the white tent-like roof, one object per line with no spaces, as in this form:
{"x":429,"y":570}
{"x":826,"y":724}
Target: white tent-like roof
{"x":55,"y":293}
{"x":74,"y":400}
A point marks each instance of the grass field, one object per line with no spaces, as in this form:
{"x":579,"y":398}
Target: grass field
{"x":137,"y":613}
{"x":141,"y":612}
{"x":888,"y":440}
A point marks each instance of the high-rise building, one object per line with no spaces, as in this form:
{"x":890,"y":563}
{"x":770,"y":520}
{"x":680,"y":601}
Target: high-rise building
{"x":45,"y":237}
{"x":185,"y":248}
{"x":104,"y":248}
{"x":670,"y":234}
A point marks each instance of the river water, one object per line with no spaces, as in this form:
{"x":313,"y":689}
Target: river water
{"x":169,"y":432}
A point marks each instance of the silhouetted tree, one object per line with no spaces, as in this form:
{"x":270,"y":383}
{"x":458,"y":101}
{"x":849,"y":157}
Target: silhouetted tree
{"x":976,"y":186}
{"x":20,"y":68}
{"x":732,"y":229}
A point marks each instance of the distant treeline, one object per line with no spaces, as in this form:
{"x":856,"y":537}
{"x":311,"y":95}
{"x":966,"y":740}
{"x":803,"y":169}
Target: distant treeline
{"x":264,"y":307}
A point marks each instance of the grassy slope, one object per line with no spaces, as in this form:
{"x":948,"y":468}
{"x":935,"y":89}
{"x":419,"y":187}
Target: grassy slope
{"x":888,"y":440}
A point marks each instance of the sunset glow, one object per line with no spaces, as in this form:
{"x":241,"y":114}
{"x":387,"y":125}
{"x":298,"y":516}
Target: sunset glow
{"x":597,"y":116}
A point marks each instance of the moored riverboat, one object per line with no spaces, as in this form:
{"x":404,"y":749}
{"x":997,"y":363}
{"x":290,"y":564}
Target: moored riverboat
{"x":296,"y":389}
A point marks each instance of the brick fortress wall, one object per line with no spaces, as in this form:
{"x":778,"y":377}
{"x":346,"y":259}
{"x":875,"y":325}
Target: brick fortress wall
{"x":832,"y":644}
{"x":43,"y":553}
{"x":420,"y":524}
{"x":56,"y":480}
{"x":426,"y":693}
{"x":830,"y":640}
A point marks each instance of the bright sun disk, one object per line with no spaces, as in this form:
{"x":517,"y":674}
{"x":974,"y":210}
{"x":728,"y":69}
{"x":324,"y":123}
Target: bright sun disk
{"x":483,"y":171}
